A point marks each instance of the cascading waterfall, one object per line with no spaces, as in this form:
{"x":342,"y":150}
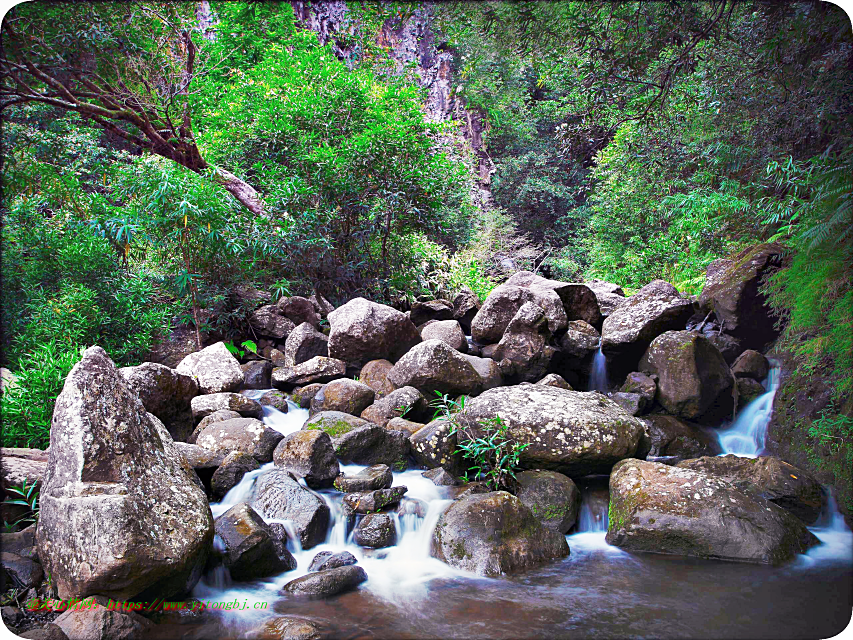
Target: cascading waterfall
{"x":748,"y":433}
{"x":598,"y":376}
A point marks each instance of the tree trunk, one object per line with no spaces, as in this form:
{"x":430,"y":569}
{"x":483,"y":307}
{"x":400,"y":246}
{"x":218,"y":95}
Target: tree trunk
{"x":241,"y":190}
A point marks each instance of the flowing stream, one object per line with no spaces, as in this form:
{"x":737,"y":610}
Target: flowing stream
{"x":748,"y":433}
{"x":598,"y":591}
{"x":598,"y":375}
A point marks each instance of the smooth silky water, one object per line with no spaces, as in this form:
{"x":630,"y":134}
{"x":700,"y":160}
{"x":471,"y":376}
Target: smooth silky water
{"x":598,"y":591}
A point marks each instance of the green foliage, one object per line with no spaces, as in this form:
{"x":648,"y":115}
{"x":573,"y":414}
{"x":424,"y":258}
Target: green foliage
{"x":26,"y":496}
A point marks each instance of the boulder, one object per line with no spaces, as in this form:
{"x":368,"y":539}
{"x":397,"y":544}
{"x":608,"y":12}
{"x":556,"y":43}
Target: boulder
{"x":267,"y":321}
{"x":275,"y":399}
{"x":362,"y":331}
{"x":303,"y":396}
{"x":304,"y":343}
{"x":20,"y":572}
{"x":120,"y":514}
{"x":48,"y":632}
{"x":329,"y":560}
{"x":21,"y":465}
{"x":664,"y":509}
{"x":203,"y":406}
{"x":770,"y":478}
{"x":180,"y":342}
{"x":257,"y":374}
{"x":669,"y":437}
{"x":288,"y":628}
{"x":553,"y":499}
{"x":240,"y":434}
{"x":322,"y":306}
{"x":440,"y":477}
{"x":278,"y":495}
{"x":250,"y":551}
{"x":432,"y":310}
{"x":580,"y":340}
{"x":433,"y":366}
{"x":732,"y":290}
{"x":299,"y":310}
{"x":309,"y":455}
{"x":18,"y":542}
{"x":199,"y":457}
{"x":525,"y":343}
{"x":406,"y":401}
{"x":490,"y":372}
{"x":466,"y":304}
{"x":165,"y":393}
{"x":573,"y":432}
{"x":751,"y":364}
{"x":630,"y":329}
{"x":214,"y":368}
{"x":408,"y":427}
{"x":694,"y":380}
{"x":371,"y":501}
{"x":435,"y":446}
{"x":729,"y":346}
{"x":335,"y":423}
{"x":344,"y":395}
{"x":277,"y":358}
{"x":642,"y":384}
{"x":609,"y":295}
{"x":329,"y":582}
{"x":492,"y":534}
{"x":375,"y":530}
{"x":555,"y":380}
{"x":633,"y":403}
{"x":748,"y":390}
{"x":96,"y":620}
{"x":216,"y":416}
{"x":229,"y":474}
{"x":374,"y":477}
{"x":371,"y":444}
{"x":317,"y":369}
{"x":8,"y":380}
{"x":449,"y":332}
{"x":375,"y":375}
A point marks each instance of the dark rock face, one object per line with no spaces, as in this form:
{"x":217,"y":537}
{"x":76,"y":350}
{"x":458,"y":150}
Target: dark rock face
{"x":372,"y":501}
{"x":449,"y":332}
{"x":732,"y":291}
{"x":553,"y":499}
{"x":432,"y":310}
{"x":298,"y":310}
{"x":20,"y":572}
{"x":573,"y":432}
{"x":751,"y":364}
{"x":374,"y":477}
{"x":670,"y":437}
{"x":120,"y":514}
{"x":267,"y":321}
{"x":275,"y":399}
{"x":440,"y":477}
{"x":694,"y":380}
{"x":203,"y":406}
{"x":434,"y":446}
{"x":229,"y":473}
{"x":770,"y":478}
{"x":279,"y":495}
{"x":180,"y":342}
{"x":241,"y":434}
{"x":729,"y":346}
{"x":525,"y":343}
{"x":434,"y":366}
{"x":376,"y":530}
{"x":344,"y":395}
{"x":303,"y":396}
{"x":165,"y":393}
{"x":362,"y":331}
{"x":503,"y":303}
{"x":375,"y":375}
{"x":214,"y":368}
{"x":322,"y":306}
{"x":329,"y":582}
{"x":328,"y":560}
{"x":641,"y":384}
{"x":371,"y":444}
{"x":663,"y":509}
{"x":250,"y":551}
{"x":466,"y":304}
{"x":407,"y":400}
{"x":310,"y":455}
{"x":492,"y":534}
{"x":747,"y":391}
{"x":317,"y":369}
{"x":256,"y":374}
{"x":304,"y":343}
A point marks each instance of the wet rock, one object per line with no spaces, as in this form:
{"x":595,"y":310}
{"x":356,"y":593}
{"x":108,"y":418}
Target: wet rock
{"x":572,"y":432}
{"x":229,"y":474}
{"x":630,"y":328}
{"x":310,"y":455}
{"x":362,"y":331}
{"x":555,"y":380}
{"x":663,"y":509}
{"x":412,"y":506}
{"x":525,"y":343}
{"x":20,"y":573}
{"x":553,"y":499}
{"x":609,"y":295}
{"x":375,"y":375}
{"x":432,"y":310}
{"x":406,"y":401}
{"x":250,"y":551}
{"x":694,"y":380}
{"x":317,"y":369}
{"x":669,"y":437}
{"x":751,"y":364}
{"x":449,"y":332}
{"x":432,"y":366}
{"x":642,"y":384}
{"x":440,"y":477}
{"x":492,"y":534}
{"x":96,"y":621}
{"x":770,"y":478}
{"x":434,"y":446}
{"x":278,"y":495}
{"x":120,"y":513}
{"x":241,"y":434}
{"x":371,"y":501}
{"x":214,"y":368}
{"x":165,"y":393}
{"x":323,"y":584}
{"x":303,"y":396}
{"x":377,"y":476}
{"x":408,"y":427}
{"x":267,"y":321}
{"x":257,"y":374}
{"x":304,"y":343}
{"x":203,"y":406}
{"x":322,"y":306}
{"x":632,"y":403}
{"x":288,"y":628}
{"x":329,"y":560}
{"x":375,"y":530}
{"x":466,"y":304}
{"x":275,"y":399}
{"x":732,"y":290}
{"x":299,"y":310}
{"x":216,"y":416}
{"x":747,"y":391}
{"x":344,"y":395}
{"x":371,"y":444}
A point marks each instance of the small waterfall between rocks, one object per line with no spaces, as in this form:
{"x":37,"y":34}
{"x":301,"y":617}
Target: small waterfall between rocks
{"x":598,"y":376}
{"x":748,"y":433}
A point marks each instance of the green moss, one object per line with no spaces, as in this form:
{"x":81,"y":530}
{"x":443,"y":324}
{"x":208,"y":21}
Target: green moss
{"x":337,"y":428}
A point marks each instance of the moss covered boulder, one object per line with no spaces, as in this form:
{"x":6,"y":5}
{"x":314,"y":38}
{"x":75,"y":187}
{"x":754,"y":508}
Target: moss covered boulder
{"x":349,"y":396}
{"x":553,"y":499}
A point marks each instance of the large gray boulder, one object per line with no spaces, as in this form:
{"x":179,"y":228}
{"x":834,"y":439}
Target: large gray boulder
{"x":335,"y":423}
{"x":278,"y":495}
{"x":165,"y":393}
{"x":435,"y":446}
{"x":371,"y":444}
{"x":525,"y":343}
{"x":323,"y":584}
{"x":120,"y":514}
{"x":375,"y":530}
{"x":267,"y":321}
{"x":491,"y":534}
{"x":573,"y":432}
{"x":240,"y":434}
{"x":310,"y":455}
{"x":609,"y":295}
{"x":216,"y":416}
{"x":304,"y":343}
{"x":436,"y":310}
{"x":406,"y":401}
{"x":553,"y":499}
{"x":371,"y":501}
{"x":203,"y":406}
{"x":674,"y":439}
{"x":256,"y":374}
{"x":751,"y":364}
{"x":362,"y":330}
{"x":377,"y":476}
{"x":230,"y":472}
{"x":215,"y":369}
{"x":96,"y":620}
{"x":375,"y":375}
{"x":299,"y":310}
{"x":694,"y":380}
{"x":449,"y":332}
{"x":322,"y":306}
{"x":664,"y":509}
{"x":349,"y":396}
{"x":466,"y":304}
{"x":434,"y":366}
{"x":250,"y":548}
{"x":317,"y":369}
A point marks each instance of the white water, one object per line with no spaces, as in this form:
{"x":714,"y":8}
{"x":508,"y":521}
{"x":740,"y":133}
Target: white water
{"x":748,"y":433}
{"x":598,"y":376}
